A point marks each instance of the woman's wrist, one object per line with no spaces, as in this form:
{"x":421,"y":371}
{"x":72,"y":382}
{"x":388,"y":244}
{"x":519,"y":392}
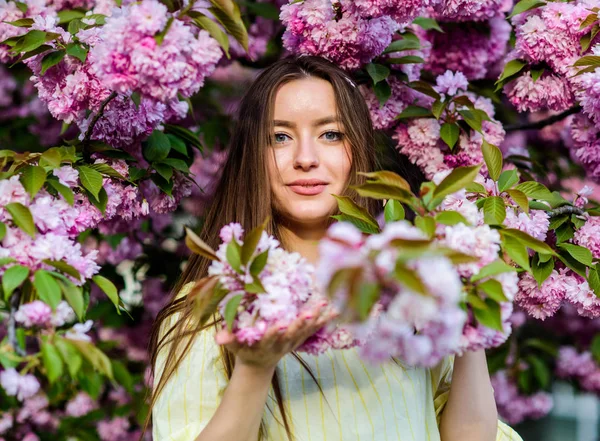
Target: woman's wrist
{"x":254,"y":370}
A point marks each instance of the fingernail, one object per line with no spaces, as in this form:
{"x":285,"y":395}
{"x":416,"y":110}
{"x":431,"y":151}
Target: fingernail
{"x":308,"y":316}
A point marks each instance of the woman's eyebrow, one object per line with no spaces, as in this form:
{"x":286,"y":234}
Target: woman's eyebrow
{"x":316,"y":123}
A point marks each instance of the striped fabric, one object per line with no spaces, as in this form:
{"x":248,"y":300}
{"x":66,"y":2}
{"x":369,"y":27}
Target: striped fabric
{"x":359,"y":401}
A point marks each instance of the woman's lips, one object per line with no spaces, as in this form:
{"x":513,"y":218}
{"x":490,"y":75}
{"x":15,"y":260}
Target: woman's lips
{"x":308,"y":187}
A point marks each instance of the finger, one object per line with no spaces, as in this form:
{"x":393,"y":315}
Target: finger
{"x":224,"y":337}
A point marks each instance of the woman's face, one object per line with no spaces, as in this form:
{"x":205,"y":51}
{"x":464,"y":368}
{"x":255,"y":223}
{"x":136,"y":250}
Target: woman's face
{"x":311,"y":158}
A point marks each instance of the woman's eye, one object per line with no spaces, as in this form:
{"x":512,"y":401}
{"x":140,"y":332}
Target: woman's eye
{"x":332,"y":136}
{"x":280,"y":137}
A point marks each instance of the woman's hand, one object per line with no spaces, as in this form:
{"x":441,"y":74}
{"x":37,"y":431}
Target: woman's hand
{"x":277,"y":341}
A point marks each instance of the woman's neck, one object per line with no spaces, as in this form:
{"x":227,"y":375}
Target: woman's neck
{"x":303,"y":240}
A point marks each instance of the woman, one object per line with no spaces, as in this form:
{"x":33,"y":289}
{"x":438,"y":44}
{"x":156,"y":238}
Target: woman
{"x":303,"y":133}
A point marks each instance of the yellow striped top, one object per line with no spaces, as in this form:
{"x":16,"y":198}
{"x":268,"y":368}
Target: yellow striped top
{"x":360,"y":402}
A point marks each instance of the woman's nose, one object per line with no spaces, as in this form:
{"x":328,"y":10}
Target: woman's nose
{"x":306,"y":155}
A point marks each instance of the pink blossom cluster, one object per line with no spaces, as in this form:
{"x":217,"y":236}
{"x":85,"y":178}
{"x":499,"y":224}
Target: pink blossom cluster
{"x":535,"y":223}
{"x":335,"y":30}
{"x":475,"y":49}
{"x":588,"y":236}
{"x":580,"y":366}
{"x":32,"y":416}
{"x":21,"y":386}
{"x":10,"y":12}
{"x":39,"y":314}
{"x":383,"y":117}
{"x":470,"y":10}
{"x":419,"y":139}
{"x":419,"y":329}
{"x":399,"y":10}
{"x":587,"y":91}
{"x":514,"y":406}
{"x":550,"y":91}
{"x":549,"y":38}
{"x":289,"y":291}
{"x":71,"y":89}
{"x":127,"y":58}
{"x":582,"y":139}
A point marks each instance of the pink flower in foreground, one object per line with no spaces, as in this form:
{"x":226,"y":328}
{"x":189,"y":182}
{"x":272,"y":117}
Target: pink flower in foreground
{"x":588,"y":236}
{"x":36,"y":313}
{"x":21,"y":386}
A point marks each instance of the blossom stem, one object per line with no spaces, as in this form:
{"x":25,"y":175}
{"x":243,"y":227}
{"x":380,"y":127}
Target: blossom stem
{"x":12,"y":324}
{"x":97,"y":116}
{"x":567,"y":209}
{"x":543,"y":123}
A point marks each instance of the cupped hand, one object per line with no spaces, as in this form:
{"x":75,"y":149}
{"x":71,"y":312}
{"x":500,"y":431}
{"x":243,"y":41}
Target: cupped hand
{"x":277,"y":341}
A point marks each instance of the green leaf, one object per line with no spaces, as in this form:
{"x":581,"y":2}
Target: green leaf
{"x":580,"y":254}
{"x":32,"y":40}
{"x":493,"y":159}
{"x":450,"y":218}
{"x":75,"y":26}
{"x":494,"y":210}
{"x":408,"y":59}
{"x":358,"y":223}
{"x":122,"y":376}
{"x":427,"y":23}
{"x":2,"y":230}
{"x":393,"y":211}
{"x":51,"y":158}
{"x":384,"y":191}
{"x":493,"y":290}
{"x":22,"y":217}
{"x":259,"y":263}
{"x":33,"y":178}
{"x":536,"y":73}
{"x":70,"y":356}
{"x":51,"y":59}
{"x":95,"y":356}
{"x":107,"y":170}
{"x":402,"y":45}
{"x":136,"y":173}
{"x":493,"y":269}
{"x":456,"y":180}
{"x":450,"y":132}
{"x":507,"y":179}
{"x":164,"y":170}
{"x":377,"y":72}
{"x":177,"y":144}
{"x":516,"y":251}
{"x":231,"y":310}
{"x":52,"y":362}
{"x":386,"y":177}
{"x":177,"y":164}
{"x":409,"y":278}
{"x":475,"y":187}
{"x":256,"y":287}
{"x":347,"y":206}
{"x":534,"y":190}
{"x":520,"y":199}
{"x":234,"y":255}
{"x":90,"y":179}
{"x":595,"y":348}
{"x":383,"y":92}
{"x":156,"y":147}
{"x":368,"y":294}
{"x":74,"y":297}
{"x":438,"y":108}
{"x":475,"y":301}
{"x":215,"y":31}
{"x":490,"y":317}
{"x":511,"y":69}
{"x":541,"y":270}
{"x":12,"y":279}
{"x":102,"y":200}
{"x":529,"y":241}
{"x":186,"y":134}
{"x":525,"y":5}
{"x":426,"y":224}
{"x":47,"y":288}
{"x":22,"y":22}
{"x":251,"y":240}
{"x":594,"y":280}
{"x":228,"y":14}
{"x":573,"y":264}
{"x":108,"y":288}
{"x":68,"y":15}
{"x":415,"y":112}
{"x":540,"y":370}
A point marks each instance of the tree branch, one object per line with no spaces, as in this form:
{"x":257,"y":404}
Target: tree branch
{"x":12,"y":324}
{"x":97,"y":116}
{"x":543,"y":123}
{"x":566,"y":209}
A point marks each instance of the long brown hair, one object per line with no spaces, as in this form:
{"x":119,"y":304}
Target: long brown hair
{"x":243,"y":195}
